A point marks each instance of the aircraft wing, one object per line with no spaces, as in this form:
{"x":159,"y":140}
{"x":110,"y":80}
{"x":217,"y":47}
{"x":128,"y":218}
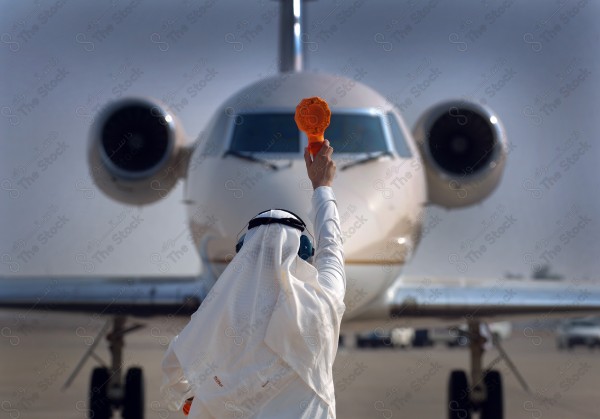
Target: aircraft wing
{"x":422,"y":297}
{"x":490,"y":299}
{"x":146,"y":296}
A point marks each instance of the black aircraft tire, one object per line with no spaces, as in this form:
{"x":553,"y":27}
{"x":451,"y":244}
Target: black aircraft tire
{"x":493,"y":407}
{"x":459,"y":404}
{"x":133,"y":405}
{"x":99,"y":404}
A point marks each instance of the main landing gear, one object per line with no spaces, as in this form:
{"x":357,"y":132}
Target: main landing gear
{"x":484,"y":394}
{"x":108,"y":390}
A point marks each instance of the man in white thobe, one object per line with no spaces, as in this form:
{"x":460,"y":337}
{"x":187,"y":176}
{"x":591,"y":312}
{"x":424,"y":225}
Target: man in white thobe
{"x":263,"y":342}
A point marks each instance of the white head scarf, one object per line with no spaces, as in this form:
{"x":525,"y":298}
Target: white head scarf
{"x":267,"y":301}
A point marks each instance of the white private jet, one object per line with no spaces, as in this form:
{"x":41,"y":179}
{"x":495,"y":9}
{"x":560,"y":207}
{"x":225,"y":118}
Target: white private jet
{"x":251,"y":159}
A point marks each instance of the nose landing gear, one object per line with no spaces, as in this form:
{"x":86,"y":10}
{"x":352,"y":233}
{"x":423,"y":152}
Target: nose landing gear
{"x":107,"y":390}
{"x":485,"y":394}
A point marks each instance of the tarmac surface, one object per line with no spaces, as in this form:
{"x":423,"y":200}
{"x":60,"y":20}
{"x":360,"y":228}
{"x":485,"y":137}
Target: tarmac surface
{"x":38,"y":352}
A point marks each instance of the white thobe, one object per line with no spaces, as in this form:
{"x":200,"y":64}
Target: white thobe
{"x":290,"y":397}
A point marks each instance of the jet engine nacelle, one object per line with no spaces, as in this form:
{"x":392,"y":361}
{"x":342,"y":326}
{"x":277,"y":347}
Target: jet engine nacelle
{"x":463,"y":147}
{"x":136,"y":152}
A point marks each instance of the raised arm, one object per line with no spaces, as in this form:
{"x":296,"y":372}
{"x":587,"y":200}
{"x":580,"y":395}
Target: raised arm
{"x":329,"y":256}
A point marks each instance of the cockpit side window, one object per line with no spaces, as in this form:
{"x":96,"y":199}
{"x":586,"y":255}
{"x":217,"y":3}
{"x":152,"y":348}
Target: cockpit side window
{"x":399,"y":140}
{"x":266,"y":133}
{"x":356,"y":133}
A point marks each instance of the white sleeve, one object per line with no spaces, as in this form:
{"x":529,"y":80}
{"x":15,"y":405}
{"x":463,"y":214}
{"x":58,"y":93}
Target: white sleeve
{"x":175,"y":388}
{"x":329,"y":253}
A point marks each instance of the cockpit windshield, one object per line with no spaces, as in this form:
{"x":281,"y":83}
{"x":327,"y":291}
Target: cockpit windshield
{"x":278,"y":133}
{"x":356,"y":133}
{"x":266,"y":133}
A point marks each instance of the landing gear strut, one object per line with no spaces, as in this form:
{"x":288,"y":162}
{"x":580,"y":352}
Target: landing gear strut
{"x":485,"y":392}
{"x":107,"y":390}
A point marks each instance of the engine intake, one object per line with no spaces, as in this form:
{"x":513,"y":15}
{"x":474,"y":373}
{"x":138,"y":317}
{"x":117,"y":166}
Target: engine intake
{"x":136,"y":151}
{"x":464,"y":150}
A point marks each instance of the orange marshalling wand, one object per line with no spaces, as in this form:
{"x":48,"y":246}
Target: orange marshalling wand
{"x":187,"y":406}
{"x":312,"y":117}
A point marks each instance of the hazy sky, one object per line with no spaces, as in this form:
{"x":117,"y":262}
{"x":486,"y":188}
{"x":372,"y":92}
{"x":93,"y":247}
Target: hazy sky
{"x":535,"y":63}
